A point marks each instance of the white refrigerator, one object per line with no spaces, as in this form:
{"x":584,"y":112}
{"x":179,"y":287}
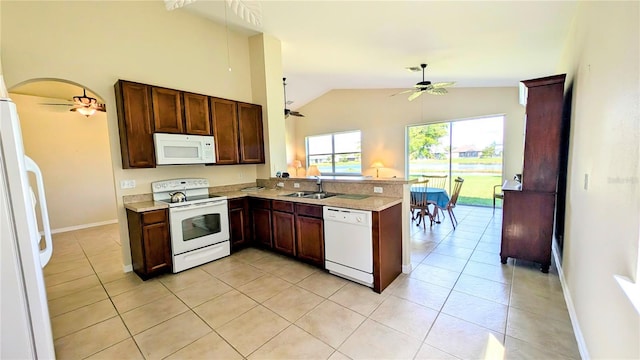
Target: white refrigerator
{"x":24,"y":314}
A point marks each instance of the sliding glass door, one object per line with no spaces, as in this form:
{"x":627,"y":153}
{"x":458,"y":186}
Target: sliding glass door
{"x":470,"y":149}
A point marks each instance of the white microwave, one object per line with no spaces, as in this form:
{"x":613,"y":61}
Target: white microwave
{"x":180,"y":149}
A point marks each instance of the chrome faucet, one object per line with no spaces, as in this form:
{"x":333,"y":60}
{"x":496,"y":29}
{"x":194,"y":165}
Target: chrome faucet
{"x":319,"y":183}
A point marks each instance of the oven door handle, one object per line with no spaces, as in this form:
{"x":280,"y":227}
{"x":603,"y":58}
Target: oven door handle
{"x":197,"y":206}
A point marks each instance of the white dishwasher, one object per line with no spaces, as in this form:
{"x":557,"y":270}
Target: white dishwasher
{"x":348,"y":244}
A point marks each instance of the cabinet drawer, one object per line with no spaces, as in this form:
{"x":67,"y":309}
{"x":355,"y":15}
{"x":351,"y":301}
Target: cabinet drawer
{"x":237,"y":203}
{"x":155,"y":216}
{"x":261,"y":203}
{"x":285,"y":206}
{"x":309,"y":210}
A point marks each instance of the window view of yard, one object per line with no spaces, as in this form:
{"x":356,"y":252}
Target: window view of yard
{"x":470,"y":149}
{"x":335,"y":154}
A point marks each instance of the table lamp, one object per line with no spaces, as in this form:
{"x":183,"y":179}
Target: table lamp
{"x":297,"y":164}
{"x":377,"y":165}
{"x":313,"y":171}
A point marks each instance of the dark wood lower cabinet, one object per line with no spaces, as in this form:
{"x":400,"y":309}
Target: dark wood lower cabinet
{"x":239,"y":223}
{"x":284,"y":232}
{"x":261,"y":219}
{"x":150,"y":242}
{"x":310,"y":234}
{"x":527,"y":227}
{"x":387,"y":246}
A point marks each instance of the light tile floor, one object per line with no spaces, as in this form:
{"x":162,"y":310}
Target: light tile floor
{"x":458,"y":302}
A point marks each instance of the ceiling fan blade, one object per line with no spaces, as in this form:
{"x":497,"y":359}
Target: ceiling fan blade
{"x":51,"y":104}
{"x":443,"y":84}
{"x":403,"y":92}
{"x":437,"y":91}
{"x":415,"y":95}
{"x":295,"y":113}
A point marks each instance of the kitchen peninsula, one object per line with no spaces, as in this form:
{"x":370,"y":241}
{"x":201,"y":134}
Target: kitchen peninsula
{"x":265,"y":215}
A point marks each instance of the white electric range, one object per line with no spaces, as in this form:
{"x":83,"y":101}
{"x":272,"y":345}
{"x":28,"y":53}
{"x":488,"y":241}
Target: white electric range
{"x":199,"y":222}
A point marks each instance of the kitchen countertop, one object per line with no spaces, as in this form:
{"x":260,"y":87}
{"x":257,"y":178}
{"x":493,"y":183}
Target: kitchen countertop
{"x":370,"y":203}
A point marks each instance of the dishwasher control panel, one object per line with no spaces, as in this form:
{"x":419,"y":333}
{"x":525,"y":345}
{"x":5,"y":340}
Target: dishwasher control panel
{"x":349,"y":216}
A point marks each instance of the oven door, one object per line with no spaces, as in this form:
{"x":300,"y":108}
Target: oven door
{"x":198,"y":225}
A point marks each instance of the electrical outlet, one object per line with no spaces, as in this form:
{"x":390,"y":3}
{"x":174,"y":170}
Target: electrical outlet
{"x":296,"y":185}
{"x":127,"y":184}
{"x":377,"y":189}
{"x":281,"y":184}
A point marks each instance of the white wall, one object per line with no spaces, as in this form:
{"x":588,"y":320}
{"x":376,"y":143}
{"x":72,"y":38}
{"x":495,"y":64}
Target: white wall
{"x":73,"y":154}
{"x":383,"y":120}
{"x":602,"y":221}
{"x":95,"y":43}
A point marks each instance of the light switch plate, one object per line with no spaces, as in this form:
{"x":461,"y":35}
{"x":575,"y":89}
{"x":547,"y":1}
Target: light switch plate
{"x":281,"y":184}
{"x":377,"y":189}
{"x":296,"y":185}
{"x":127,"y":184}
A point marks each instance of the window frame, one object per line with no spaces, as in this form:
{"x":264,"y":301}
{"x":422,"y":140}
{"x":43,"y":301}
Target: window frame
{"x":333,"y":154}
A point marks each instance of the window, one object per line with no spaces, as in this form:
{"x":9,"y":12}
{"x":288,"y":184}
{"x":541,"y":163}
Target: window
{"x":335,"y":154}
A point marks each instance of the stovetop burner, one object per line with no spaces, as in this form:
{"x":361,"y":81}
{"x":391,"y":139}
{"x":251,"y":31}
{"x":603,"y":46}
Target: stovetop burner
{"x":196,"y":191}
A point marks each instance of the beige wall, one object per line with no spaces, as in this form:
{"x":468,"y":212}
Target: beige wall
{"x":134,"y":40}
{"x":602,"y":223}
{"x":383,"y":120}
{"x":72,"y":152}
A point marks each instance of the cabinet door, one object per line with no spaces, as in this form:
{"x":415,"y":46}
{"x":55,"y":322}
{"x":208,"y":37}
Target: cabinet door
{"x":239,"y":223}
{"x":284,"y":232}
{"x":527,"y":226}
{"x":224,"y":120}
{"x":135,"y":126}
{"x":196,"y":114}
{"x":157,"y":247}
{"x":310,"y":239}
{"x":251,"y":139}
{"x":262,"y":227}
{"x":167,"y":110}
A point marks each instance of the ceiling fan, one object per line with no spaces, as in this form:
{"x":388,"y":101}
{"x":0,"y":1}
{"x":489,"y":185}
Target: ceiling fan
{"x":426,"y":86}
{"x":288,"y":112}
{"x":84,"y":104}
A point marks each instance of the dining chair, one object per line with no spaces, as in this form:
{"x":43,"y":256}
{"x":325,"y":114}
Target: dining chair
{"x":436,"y":181}
{"x":419,"y":202}
{"x":497,"y":195}
{"x":452,"y":202}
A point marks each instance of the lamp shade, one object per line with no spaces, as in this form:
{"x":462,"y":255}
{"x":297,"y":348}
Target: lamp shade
{"x":313,"y":171}
{"x":297,"y":164}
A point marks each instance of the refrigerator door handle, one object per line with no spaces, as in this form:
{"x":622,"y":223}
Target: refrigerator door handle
{"x":45,"y":254}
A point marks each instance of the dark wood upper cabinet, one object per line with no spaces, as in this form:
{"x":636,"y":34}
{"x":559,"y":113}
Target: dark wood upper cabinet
{"x":133,"y":102}
{"x":146,"y":109}
{"x":542,"y":133}
{"x":167,"y":110}
{"x":224,"y":121}
{"x":251,"y":139}
{"x":197,"y":119}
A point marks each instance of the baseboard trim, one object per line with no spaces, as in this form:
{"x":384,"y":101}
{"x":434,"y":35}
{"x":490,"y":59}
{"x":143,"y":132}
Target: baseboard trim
{"x":83,"y":226}
{"x":582,"y":345}
{"x":406,"y":269}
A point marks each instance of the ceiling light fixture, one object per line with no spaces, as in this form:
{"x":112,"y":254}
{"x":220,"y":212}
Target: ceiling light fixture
{"x":86,"y":111}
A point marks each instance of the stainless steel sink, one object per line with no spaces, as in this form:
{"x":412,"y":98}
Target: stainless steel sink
{"x":311,"y":195}
{"x":320,"y":195}
{"x":300,"y":194}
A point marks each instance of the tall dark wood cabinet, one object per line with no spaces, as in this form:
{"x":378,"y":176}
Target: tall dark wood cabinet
{"x":133,"y":101}
{"x":225,"y":130}
{"x":250,"y":135}
{"x":527,"y":224}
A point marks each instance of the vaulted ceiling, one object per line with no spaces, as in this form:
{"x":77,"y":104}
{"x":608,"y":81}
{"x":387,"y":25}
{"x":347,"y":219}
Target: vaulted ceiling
{"x":368,"y":44}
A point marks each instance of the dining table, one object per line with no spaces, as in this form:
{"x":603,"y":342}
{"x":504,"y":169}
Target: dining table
{"x":435,"y":196}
